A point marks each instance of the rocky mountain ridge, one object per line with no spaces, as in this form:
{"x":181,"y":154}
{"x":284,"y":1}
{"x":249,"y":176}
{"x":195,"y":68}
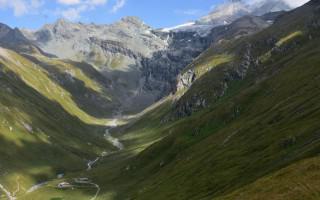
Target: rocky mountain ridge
{"x":142,"y":63}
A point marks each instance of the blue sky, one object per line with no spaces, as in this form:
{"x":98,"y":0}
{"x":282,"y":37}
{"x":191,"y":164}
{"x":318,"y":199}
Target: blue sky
{"x":157,"y":13}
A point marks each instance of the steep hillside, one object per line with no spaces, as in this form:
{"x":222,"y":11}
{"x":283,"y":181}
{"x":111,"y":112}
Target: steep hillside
{"x":256,"y":135}
{"x":53,"y":116}
{"x":43,"y":132}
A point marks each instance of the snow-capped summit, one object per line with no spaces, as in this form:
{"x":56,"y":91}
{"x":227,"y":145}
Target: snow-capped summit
{"x":230,"y":11}
{"x":226,"y":13}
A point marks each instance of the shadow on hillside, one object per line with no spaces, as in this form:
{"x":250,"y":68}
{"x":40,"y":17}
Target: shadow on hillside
{"x":71,"y":141}
{"x":94,"y":103}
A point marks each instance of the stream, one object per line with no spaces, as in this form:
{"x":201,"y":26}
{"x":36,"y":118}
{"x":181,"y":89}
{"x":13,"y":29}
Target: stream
{"x":113,"y":140}
{"x":107,"y":136}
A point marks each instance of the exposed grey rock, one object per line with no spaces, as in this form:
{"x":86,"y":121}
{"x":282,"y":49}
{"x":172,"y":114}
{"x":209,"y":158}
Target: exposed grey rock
{"x":185,"y":80}
{"x":226,"y":13}
{"x":186,"y":106}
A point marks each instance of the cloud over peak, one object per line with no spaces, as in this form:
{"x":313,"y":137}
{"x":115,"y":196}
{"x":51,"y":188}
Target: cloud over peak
{"x":21,"y":7}
{"x":118,"y":5}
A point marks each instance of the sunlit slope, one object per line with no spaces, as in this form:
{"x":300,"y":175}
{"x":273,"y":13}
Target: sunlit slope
{"x":90,"y":90}
{"x":38,"y":78}
{"x":295,"y":182}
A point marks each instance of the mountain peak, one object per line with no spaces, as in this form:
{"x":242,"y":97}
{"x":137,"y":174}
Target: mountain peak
{"x":234,"y":9}
{"x":226,"y":13}
{"x":4,"y":29}
{"x":62,"y":22}
{"x":265,"y":6}
{"x":132,"y":20}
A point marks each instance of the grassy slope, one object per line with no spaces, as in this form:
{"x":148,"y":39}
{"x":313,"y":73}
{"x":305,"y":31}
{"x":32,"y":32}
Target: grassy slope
{"x":276,"y":126}
{"x":136,"y":137}
{"x":42,"y":130}
{"x":261,"y":132}
{"x":88,"y":87}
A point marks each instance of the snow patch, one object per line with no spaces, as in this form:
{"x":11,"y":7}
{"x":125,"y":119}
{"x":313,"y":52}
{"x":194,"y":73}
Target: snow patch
{"x":178,"y":27}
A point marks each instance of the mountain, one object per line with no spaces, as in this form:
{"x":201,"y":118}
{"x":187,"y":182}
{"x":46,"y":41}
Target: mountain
{"x":14,"y":39}
{"x":238,"y":116}
{"x":230,"y":11}
{"x":226,"y":13}
{"x":246,"y":127}
{"x":119,"y":51}
{"x":80,"y":39}
{"x":261,"y":7}
{"x":139,"y":76}
{"x":56,"y":111}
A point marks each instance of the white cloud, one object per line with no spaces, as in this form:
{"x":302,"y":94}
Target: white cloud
{"x":97,"y":2}
{"x":37,"y":3}
{"x":191,"y":12}
{"x":73,"y":13}
{"x":292,"y":3}
{"x":76,"y":7}
{"x":296,"y":3}
{"x":82,"y":2}
{"x":21,"y":7}
{"x":69,"y":2}
{"x":118,"y":5}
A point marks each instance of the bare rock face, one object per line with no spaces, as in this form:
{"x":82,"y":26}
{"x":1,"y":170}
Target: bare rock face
{"x":14,"y":39}
{"x":185,"y":80}
{"x":226,"y":13}
{"x":77,"y":41}
{"x":4,"y":30}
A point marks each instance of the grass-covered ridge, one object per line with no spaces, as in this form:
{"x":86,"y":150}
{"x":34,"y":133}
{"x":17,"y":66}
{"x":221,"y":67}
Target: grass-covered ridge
{"x":289,"y":38}
{"x":37,"y":78}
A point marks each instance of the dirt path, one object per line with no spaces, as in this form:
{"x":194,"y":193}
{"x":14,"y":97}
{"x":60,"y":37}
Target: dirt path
{"x":7,"y":193}
{"x":37,"y":187}
{"x":91,"y":163}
